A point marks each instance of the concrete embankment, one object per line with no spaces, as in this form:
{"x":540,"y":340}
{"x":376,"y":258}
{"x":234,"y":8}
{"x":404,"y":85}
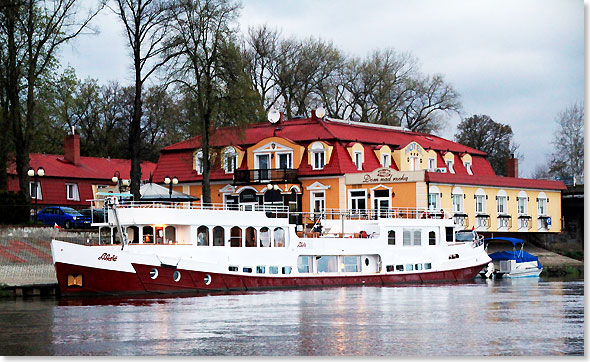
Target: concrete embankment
{"x":26,"y":266}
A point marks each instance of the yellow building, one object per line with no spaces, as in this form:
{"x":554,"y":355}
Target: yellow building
{"x":322,"y":165}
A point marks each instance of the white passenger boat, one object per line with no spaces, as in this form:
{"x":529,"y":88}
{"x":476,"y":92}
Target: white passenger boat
{"x":514,"y":263}
{"x":173,"y":248}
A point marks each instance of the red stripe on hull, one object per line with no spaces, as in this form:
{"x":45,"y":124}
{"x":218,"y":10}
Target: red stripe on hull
{"x":100,"y":281}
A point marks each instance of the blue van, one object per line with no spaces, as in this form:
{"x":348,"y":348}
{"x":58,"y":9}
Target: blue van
{"x":65,"y":217}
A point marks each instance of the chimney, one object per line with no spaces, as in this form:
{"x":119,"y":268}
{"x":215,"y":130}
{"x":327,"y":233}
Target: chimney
{"x":512,"y":166}
{"x":72,"y":149}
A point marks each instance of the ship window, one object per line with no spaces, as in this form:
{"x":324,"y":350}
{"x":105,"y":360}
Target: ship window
{"x":264,"y":237}
{"x":250,"y":237}
{"x":218,"y":236}
{"x":412,"y":237}
{"x":286,"y":270}
{"x":327,"y":263}
{"x":235,"y":239}
{"x":351,"y":264}
{"x":273,"y":270}
{"x":232,"y":268}
{"x":176,"y":276}
{"x":389,"y":268}
{"x":279,"y":237}
{"x":260,"y":269}
{"x":170,"y":233}
{"x":409,"y":267}
{"x":391,"y":237}
{"x":450,"y":232}
{"x":202,"y":236}
{"x":431,"y":238}
{"x":247,"y":269}
{"x":148,"y":234}
{"x":304,"y":264}
{"x":154,"y":273}
{"x":399,"y":268}
{"x":427,"y":266}
{"x":418,"y":266}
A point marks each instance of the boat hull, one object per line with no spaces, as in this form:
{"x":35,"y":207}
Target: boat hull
{"x":96,"y":281}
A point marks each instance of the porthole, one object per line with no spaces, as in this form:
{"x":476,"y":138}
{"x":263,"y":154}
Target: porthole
{"x":367,"y":261}
{"x":176,"y":276}
{"x":154,"y":273}
{"x":207,"y":279}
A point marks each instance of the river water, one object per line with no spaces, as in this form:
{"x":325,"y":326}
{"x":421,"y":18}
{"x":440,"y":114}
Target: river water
{"x":527,"y":317}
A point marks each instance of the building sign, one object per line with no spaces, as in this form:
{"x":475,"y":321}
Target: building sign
{"x":384,"y":175}
{"x":413,"y":147}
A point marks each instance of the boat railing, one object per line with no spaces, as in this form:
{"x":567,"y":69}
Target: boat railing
{"x":374,"y":214}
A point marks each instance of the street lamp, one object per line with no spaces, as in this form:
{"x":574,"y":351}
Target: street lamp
{"x":35,"y":175}
{"x":170,"y":182}
{"x":117,"y":179}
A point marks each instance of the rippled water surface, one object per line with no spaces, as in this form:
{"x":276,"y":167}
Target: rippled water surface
{"x":504,"y":317}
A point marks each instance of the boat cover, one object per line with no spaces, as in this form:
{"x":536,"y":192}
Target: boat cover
{"x":514,"y":241}
{"x":520,"y":256}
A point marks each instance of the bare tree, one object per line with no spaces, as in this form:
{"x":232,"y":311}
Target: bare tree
{"x":146,"y":26}
{"x":211,"y":71}
{"x":568,"y":157}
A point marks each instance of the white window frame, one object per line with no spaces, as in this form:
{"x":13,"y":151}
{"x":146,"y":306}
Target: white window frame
{"x":480,"y":194}
{"x":230,"y":154}
{"x":278,"y":159}
{"x":385,"y":160}
{"x":502,"y":203}
{"x":199,"y":162}
{"x":353,"y":199}
{"x":75,"y":193}
{"x":458,"y":207}
{"x":413,"y":163}
{"x":522,"y":197}
{"x":318,"y":156}
{"x":317,"y":195}
{"x":358,"y":160}
{"x":467,"y":165}
{"x":39,"y":195}
{"x":413,"y":240}
{"x":542,"y":205}
{"x":432,"y":164}
{"x":449,"y":164}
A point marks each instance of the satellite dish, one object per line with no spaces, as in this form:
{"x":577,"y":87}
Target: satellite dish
{"x":320,"y":112}
{"x":274,"y":116}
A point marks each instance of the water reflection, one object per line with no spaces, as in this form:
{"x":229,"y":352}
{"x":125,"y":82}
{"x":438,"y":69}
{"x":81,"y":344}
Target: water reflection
{"x":501,"y":317}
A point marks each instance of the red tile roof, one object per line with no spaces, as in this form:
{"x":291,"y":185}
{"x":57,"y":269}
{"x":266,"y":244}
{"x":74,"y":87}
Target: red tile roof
{"x":89,"y":168}
{"x":489,"y":180}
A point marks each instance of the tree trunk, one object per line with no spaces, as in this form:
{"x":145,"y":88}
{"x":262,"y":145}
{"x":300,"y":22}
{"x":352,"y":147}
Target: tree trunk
{"x":206,"y":185}
{"x":135,"y":127}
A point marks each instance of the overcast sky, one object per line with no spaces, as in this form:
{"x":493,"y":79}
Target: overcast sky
{"x":520,"y":62}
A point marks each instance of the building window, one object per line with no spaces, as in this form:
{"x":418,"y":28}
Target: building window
{"x":468,"y":167}
{"x":358,"y":200}
{"x":502,"y":204}
{"x":450,"y":166}
{"x":358,"y":160}
{"x":457,"y":203}
{"x":391,"y":237}
{"x":318,"y":201}
{"x":72,"y":192}
{"x":385,"y":160}
{"x":433,"y":201}
{"x":318,"y":156}
{"x":199,"y":162}
{"x":35,"y":190}
{"x":230,"y":160}
{"x":480,"y":201}
{"x":432,"y":164}
{"x":522,"y":205}
{"x":285,"y":160}
{"x":542,"y":206}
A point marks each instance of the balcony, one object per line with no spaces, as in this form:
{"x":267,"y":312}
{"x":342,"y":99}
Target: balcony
{"x":262,"y":176}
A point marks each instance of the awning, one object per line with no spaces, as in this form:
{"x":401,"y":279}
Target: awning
{"x":155,"y":192}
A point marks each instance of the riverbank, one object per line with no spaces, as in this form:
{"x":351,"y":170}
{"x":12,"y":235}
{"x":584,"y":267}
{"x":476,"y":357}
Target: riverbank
{"x":26,"y":265}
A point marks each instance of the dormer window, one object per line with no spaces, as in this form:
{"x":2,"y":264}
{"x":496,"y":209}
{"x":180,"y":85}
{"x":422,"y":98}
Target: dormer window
{"x":318,"y":156}
{"x":450,"y":166}
{"x":385,"y":160}
{"x":199,"y":162}
{"x":285,"y":160}
{"x":431,"y":164}
{"x":230,"y":160}
{"x":468,"y":167}
{"x":358,"y":160}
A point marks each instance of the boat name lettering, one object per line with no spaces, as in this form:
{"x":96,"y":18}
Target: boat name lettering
{"x":302,"y":245}
{"x":108,"y":257}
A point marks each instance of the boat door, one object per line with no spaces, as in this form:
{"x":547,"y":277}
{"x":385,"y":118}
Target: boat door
{"x":371,"y":263}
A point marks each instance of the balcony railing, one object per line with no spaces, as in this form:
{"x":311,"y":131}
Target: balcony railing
{"x":260,"y":176}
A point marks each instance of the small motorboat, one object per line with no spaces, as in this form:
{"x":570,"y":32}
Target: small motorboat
{"x":515,"y":263}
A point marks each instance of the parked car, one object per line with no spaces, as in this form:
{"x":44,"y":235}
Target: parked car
{"x":65,"y":217}
{"x":95,"y":215}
